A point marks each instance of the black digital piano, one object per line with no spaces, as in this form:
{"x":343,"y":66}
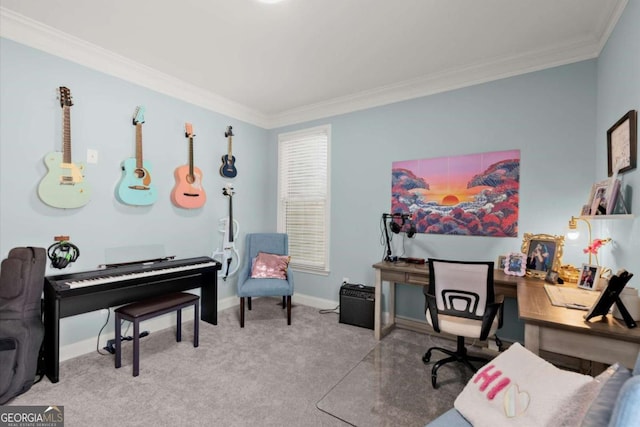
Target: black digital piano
{"x":71,"y":294}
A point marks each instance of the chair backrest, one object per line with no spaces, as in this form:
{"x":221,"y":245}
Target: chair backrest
{"x":461,"y":288}
{"x":273,"y":243}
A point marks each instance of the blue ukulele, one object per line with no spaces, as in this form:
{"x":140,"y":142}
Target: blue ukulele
{"x":135,"y":187}
{"x":228,"y":168}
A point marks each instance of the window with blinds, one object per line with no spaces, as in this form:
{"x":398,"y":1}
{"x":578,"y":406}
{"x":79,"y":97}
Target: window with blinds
{"x":303,"y":196}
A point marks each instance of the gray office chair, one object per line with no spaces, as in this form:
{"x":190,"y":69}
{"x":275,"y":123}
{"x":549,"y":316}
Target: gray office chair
{"x":460,"y":301}
{"x":272,"y":243}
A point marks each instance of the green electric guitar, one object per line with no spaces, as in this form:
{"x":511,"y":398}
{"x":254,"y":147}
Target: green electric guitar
{"x":64,"y":186}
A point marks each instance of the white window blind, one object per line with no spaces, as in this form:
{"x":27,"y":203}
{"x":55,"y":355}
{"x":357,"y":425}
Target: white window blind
{"x":303,"y":196}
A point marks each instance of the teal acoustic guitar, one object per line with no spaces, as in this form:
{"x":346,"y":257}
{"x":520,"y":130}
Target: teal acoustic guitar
{"x":64,"y":185}
{"x":135,"y":187}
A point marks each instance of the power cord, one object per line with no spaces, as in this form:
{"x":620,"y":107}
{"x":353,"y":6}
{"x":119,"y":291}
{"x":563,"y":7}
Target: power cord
{"x":100,"y":332}
{"x":331,"y":310}
{"x":110,"y":347}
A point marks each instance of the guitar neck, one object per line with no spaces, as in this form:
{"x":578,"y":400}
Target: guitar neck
{"x":191,"y":156}
{"x":230,"y":219}
{"x":139,"y":145}
{"x":66,"y":134}
{"x":229,"y":145}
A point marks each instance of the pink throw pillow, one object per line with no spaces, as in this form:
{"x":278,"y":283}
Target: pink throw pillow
{"x":270,"y":266}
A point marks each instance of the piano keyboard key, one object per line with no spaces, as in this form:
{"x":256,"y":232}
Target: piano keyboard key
{"x":74,"y":284}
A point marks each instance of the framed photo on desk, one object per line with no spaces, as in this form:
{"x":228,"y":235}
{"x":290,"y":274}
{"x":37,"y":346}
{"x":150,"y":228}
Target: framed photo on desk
{"x":611,"y":295}
{"x":515,"y":264}
{"x":589,"y":275}
{"x":544,"y":253}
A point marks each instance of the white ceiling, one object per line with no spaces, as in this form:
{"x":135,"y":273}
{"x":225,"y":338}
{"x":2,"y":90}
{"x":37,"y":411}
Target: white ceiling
{"x":304,"y":59}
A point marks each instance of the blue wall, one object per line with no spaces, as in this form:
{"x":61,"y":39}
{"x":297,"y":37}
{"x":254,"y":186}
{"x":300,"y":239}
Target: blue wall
{"x":557,"y":117}
{"x":30,"y":127}
{"x":619,"y":92}
{"x":549,"y":115}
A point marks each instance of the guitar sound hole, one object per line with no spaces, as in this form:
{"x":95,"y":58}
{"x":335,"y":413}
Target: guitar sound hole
{"x":191,"y":179}
{"x":140,"y":173}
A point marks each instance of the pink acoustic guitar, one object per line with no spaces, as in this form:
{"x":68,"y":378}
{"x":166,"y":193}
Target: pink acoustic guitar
{"x":188,"y":192}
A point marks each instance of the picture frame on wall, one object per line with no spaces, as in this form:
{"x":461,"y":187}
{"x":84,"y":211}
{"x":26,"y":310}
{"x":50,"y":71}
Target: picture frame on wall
{"x":622,"y":144}
{"x":589,"y":275}
{"x":543,"y":253}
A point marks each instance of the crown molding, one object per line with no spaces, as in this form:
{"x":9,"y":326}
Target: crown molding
{"x":32,"y":33}
{"x":441,"y":82}
{"x":609,"y":23}
{"x":37,"y":35}
{"x":495,"y":69}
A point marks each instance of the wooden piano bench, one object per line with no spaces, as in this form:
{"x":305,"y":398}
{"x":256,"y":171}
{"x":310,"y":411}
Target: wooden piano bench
{"x":146,"y":309}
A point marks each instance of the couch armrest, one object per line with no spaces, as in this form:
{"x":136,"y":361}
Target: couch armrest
{"x":627,"y":409}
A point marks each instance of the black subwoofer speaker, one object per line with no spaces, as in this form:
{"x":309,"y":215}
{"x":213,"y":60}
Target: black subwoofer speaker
{"x":356,"y":305}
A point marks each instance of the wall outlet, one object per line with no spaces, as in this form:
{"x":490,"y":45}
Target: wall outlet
{"x":92,"y":156}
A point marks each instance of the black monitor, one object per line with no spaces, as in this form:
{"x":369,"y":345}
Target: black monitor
{"x":611,"y":295}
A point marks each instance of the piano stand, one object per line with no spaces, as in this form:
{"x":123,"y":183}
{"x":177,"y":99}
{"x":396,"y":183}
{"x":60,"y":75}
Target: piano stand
{"x":60,"y":302}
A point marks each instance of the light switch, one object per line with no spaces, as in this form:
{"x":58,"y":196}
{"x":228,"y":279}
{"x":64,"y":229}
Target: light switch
{"x":92,"y":156}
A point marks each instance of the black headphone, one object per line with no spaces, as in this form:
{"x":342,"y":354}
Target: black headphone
{"x":62,"y":254}
{"x":396,"y":227}
{"x":412,"y":230}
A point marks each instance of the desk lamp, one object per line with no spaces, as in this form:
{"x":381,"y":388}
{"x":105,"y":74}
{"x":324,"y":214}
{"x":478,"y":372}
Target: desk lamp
{"x":594,"y":245}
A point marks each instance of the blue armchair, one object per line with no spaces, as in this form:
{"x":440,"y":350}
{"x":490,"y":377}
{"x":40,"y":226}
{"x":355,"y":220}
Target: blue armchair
{"x":248,"y":287}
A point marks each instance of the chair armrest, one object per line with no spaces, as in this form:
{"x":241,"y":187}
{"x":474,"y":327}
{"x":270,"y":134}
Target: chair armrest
{"x":432,"y":308}
{"x":492,"y":309}
{"x":500,"y":300}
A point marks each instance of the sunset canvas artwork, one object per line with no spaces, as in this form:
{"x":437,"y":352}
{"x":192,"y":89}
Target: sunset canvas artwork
{"x":471,"y":195}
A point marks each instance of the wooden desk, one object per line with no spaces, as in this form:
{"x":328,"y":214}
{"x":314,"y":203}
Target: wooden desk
{"x":418,"y":274}
{"x":564,"y":331}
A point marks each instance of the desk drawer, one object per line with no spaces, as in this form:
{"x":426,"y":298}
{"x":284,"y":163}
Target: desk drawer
{"x":417,"y":279}
{"x":394,"y":276}
{"x":405,"y":277}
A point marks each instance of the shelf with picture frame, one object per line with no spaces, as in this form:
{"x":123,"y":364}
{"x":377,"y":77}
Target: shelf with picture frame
{"x":606,"y":200}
